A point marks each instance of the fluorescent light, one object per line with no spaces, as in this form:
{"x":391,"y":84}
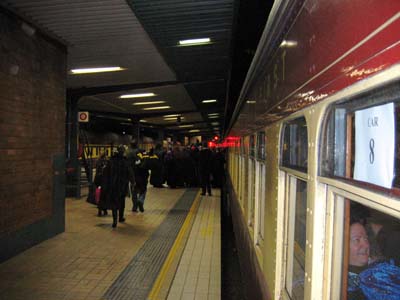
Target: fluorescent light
{"x":194,"y":42}
{"x":213,"y":114}
{"x":250,"y":102}
{"x":169,"y":116}
{"x":215,"y":123}
{"x":157,"y":107}
{"x":209,"y":101}
{"x":173,"y":119}
{"x":137,"y":95}
{"x":148,"y":102}
{"x":96,"y":70}
{"x":213,"y":117}
{"x":186,"y":126}
{"x":194,"y":130}
{"x":143,"y":121}
{"x":288,"y":44}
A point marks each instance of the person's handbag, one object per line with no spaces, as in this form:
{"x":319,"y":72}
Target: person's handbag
{"x":98,"y":194}
{"x":91,"y":198}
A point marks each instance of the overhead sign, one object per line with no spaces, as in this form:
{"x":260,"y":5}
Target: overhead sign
{"x":375,"y":140}
{"x":83,"y":116}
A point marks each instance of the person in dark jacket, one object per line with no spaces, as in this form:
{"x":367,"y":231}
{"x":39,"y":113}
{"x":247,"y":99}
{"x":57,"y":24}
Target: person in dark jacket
{"x":205,"y":165}
{"x":100,"y":167}
{"x":117,"y":174}
{"x":141,"y":179}
{"x":156,"y":166}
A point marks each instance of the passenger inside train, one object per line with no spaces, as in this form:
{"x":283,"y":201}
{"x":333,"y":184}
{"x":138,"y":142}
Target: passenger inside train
{"x":373,"y":259}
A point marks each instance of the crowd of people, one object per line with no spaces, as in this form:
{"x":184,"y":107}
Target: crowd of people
{"x":129,"y":169}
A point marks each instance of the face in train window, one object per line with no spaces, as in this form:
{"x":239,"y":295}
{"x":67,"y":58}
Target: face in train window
{"x":373,"y":260}
{"x":295,"y":145}
{"x":362,"y":141}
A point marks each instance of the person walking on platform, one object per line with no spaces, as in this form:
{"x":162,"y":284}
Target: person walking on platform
{"x":117,"y":174}
{"x":98,"y":180}
{"x":205,"y":165}
{"x":141,"y":179}
{"x":156,"y":159}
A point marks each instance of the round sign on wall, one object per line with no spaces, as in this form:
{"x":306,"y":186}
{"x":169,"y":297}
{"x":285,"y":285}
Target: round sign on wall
{"x":83,"y":116}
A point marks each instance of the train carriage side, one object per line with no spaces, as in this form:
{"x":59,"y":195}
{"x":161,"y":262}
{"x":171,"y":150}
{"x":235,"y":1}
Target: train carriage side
{"x":314,"y":160}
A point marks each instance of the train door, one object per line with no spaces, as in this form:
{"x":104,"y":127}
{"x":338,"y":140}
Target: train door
{"x":251,"y":184}
{"x":294,"y":165}
{"x":243,"y":174}
{"x":260,"y":192}
{"x":360,"y":169}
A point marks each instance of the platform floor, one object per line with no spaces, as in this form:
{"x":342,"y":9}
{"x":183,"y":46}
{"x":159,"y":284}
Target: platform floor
{"x":171,"y":251}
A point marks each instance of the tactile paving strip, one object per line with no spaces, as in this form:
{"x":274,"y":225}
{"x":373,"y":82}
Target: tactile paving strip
{"x":136,"y":281}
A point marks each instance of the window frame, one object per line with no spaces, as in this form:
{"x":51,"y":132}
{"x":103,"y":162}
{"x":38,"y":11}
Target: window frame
{"x":348,"y":106}
{"x":338,"y":196}
{"x":290,"y":173}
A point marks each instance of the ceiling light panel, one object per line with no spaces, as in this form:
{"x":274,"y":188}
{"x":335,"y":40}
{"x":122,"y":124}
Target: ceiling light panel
{"x":170,"y":116}
{"x":193,"y":42}
{"x":96,"y":70}
{"x":157,"y":107}
{"x":141,"y":95}
{"x":148,"y":103}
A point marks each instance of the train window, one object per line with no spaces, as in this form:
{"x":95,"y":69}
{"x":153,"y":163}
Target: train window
{"x":242,"y":145}
{"x":361,"y":141}
{"x":252,"y":146}
{"x":296,"y":237}
{"x":251,"y":191}
{"x":371,"y":255}
{"x":260,"y":203}
{"x":243,"y":174}
{"x":295,"y":145}
{"x":261,"y":145}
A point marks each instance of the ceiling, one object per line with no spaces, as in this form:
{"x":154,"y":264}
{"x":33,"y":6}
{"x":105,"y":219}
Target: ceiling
{"x":142,"y":37}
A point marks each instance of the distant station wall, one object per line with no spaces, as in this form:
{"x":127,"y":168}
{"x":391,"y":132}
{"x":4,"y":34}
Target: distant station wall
{"x":32,"y":129}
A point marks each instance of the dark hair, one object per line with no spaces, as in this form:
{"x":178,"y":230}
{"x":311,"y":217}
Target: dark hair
{"x":358,"y":213}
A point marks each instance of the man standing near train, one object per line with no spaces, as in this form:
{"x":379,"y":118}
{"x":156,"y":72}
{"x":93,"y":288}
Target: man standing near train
{"x":205,"y":164}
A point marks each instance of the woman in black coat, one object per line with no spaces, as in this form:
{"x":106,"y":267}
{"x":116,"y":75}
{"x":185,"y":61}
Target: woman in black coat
{"x":114,"y":187}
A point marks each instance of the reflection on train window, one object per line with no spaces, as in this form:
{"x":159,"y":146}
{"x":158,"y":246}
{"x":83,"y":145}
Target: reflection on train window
{"x":295,"y":145}
{"x":296,"y":238}
{"x":372,"y":264}
{"x":361,"y":141}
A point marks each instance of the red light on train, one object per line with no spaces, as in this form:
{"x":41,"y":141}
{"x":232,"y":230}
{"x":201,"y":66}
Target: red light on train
{"x":230,"y":142}
{"x":211,"y":144}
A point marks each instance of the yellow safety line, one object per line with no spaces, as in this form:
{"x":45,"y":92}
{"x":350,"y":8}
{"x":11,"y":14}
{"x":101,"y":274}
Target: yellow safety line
{"x":167,"y":264}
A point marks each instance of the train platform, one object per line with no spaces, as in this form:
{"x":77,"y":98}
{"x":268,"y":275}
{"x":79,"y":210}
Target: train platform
{"x":171,"y":251}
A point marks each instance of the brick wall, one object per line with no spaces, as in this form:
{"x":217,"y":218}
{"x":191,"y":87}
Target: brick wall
{"x":32,"y":123}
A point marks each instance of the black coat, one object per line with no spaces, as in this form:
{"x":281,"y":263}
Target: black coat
{"x":114,"y":182}
{"x":141,"y":170}
{"x":205,"y":161}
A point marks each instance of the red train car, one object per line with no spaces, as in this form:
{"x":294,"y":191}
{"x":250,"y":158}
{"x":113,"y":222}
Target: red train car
{"x":314,"y":161}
